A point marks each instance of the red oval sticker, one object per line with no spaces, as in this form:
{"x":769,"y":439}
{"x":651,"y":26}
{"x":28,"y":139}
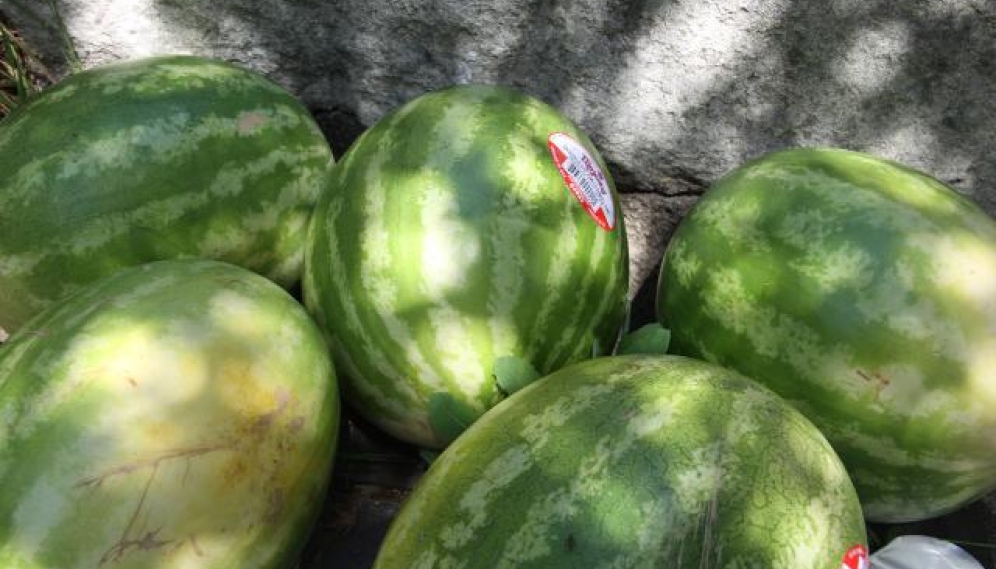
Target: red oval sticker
{"x":855,"y":558}
{"x":584,"y":178}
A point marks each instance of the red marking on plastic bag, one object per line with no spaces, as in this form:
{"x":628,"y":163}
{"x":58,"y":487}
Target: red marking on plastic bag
{"x":855,"y":558}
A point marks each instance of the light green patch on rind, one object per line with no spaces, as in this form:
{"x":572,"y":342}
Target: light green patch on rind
{"x":214,"y":162}
{"x":632,"y":461}
{"x":468,"y":246}
{"x":157,"y":417}
{"x":861,"y":291}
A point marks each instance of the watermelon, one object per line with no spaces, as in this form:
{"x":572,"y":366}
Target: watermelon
{"x":633,"y":461}
{"x":864,"y":292}
{"x":472,"y":225}
{"x":181,"y":413}
{"x":159,"y":158}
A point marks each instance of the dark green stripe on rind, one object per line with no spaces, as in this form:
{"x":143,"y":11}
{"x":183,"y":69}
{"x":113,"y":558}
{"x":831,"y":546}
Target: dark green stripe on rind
{"x":632,"y":461}
{"x":447,"y":239}
{"x":152,"y":159}
{"x":862,"y":291}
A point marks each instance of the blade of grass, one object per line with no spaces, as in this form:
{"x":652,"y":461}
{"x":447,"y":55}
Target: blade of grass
{"x":68,"y":47}
{"x":14,"y":84}
{"x":15,"y":65}
{"x":31,"y":11}
{"x":6,"y":71}
{"x":7,"y":105}
{"x":22,"y":74}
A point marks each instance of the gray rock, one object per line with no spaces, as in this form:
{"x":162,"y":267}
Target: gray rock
{"x":650,"y":220}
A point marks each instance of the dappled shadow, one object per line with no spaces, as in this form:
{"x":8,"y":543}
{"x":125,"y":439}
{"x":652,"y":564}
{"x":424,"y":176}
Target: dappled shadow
{"x":888,"y":328}
{"x":165,"y":422}
{"x":674,"y":93}
{"x":634,"y":464}
{"x":892,"y":79}
{"x":458,"y":258}
{"x":671,"y":92}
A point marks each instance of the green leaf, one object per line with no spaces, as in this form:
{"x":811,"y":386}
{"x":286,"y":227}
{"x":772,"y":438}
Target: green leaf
{"x":448,"y":416}
{"x":650,"y":339}
{"x":512,"y":373}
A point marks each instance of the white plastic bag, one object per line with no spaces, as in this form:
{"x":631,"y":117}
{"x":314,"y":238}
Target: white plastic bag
{"x":922,"y":552}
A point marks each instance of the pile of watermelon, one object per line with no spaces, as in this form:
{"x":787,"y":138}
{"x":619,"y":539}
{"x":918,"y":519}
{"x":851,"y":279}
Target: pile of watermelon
{"x":190,"y":283}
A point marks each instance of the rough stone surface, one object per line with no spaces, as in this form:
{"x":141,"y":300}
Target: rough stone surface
{"x":674,"y":92}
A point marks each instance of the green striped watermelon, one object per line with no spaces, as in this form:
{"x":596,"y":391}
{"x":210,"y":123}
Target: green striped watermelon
{"x":470,"y":226}
{"x":178,"y":414}
{"x":633,"y":461}
{"x":153,"y":159}
{"x":864,"y":292}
